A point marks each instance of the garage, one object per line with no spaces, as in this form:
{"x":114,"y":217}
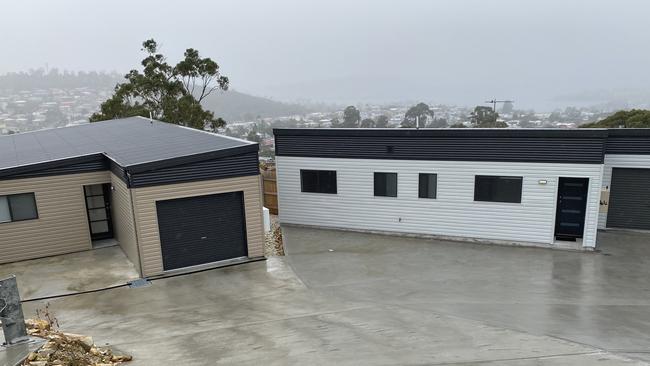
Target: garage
{"x":201,"y":229}
{"x":629,"y":203}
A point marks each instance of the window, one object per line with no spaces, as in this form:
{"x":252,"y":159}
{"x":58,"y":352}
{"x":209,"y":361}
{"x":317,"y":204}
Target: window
{"x":497,"y":189}
{"x":318,"y":181}
{"x":386,"y":184}
{"x":18,"y":207}
{"x":5,"y":215}
{"x":427,"y":185}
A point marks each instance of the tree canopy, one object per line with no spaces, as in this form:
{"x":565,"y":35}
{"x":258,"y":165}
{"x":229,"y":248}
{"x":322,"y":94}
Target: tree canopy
{"x":486,"y":117}
{"x":367,"y":123}
{"x":421,"y":112}
{"x":351,"y":117}
{"x":168,"y":93}
{"x":382,"y":121}
{"x":635,"y":118}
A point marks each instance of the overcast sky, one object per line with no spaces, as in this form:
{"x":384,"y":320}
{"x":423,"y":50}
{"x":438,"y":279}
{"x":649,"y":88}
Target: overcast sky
{"x":450,"y":51}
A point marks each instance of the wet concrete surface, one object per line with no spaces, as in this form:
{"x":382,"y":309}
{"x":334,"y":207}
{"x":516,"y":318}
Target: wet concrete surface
{"x":351,"y":298}
{"x":71,"y":273}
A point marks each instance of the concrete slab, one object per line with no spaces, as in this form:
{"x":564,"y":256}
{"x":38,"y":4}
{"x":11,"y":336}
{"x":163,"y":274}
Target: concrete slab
{"x":71,"y":273}
{"x":15,"y":354}
{"x":598,"y":299}
{"x":379,"y":300}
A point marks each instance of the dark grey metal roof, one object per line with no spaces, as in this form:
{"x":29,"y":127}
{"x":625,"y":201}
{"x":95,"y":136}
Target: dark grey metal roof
{"x":134,"y":141}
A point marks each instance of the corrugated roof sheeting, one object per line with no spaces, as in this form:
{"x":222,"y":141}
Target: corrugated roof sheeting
{"x":541,"y":146}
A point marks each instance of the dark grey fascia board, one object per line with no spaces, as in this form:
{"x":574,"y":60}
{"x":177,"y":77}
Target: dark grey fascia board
{"x":576,"y":147}
{"x":22,"y":170}
{"x":159,"y":164}
{"x":628,"y":141}
{"x":629,"y":132}
{"x":121,"y":171}
{"x":246,"y":164}
{"x":444,"y":132}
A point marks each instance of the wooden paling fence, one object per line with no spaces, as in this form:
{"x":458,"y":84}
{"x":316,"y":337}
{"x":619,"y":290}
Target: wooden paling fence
{"x":270,"y":188}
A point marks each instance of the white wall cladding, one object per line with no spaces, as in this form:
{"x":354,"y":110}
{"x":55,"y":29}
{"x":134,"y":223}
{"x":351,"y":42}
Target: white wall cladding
{"x":453,"y":213}
{"x":620,"y":161}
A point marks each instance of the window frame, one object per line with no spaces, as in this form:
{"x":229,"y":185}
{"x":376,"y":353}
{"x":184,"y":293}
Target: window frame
{"x":435,"y":192}
{"x":11,"y":212}
{"x":302,"y":183}
{"x":520,"y":179}
{"x":374,"y":184}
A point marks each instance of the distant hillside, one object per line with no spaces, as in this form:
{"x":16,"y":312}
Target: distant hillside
{"x":235,"y":106}
{"x":40,"y":79}
{"x":635,"y":118}
{"x":231,"y":105}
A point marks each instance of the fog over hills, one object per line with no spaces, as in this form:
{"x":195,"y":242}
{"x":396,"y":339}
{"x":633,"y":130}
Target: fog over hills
{"x":459,"y":52}
{"x":235,"y":106}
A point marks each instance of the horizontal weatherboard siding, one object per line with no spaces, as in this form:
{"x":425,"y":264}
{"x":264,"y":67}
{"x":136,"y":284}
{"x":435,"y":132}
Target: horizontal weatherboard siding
{"x":123,"y":220}
{"x":550,"y":147}
{"x":144,"y":201}
{"x":62,"y":224}
{"x":453,"y":213}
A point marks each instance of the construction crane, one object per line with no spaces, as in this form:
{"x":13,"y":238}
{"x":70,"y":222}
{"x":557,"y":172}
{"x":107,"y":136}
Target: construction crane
{"x":494,"y":105}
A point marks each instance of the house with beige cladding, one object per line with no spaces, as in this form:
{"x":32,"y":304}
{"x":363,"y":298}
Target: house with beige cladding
{"x":173,"y":198}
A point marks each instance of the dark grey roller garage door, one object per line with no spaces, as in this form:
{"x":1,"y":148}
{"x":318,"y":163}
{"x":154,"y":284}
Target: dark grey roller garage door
{"x":629,"y":199}
{"x":201,"y":229}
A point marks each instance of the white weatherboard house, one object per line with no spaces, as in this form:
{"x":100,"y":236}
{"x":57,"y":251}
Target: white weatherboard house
{"x":539,"y":187}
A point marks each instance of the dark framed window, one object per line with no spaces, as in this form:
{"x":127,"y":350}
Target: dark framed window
{"x":18,"y":207}
{"x":428,"y":185}
{"x":497,"y":188}
{"x":386,"y":184}
{"x":318,"y":181}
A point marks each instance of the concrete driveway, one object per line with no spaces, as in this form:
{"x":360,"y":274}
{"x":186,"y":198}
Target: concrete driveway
{"x":348,"y":298}
{"x":71,"y":273}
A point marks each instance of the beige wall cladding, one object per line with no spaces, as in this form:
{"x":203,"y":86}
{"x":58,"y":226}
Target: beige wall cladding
{"x":123,"y":220}
{"x":147,"y":220}
{"x":62,"y":224}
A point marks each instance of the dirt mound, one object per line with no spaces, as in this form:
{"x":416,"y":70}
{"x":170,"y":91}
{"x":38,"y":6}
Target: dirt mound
{"x":67,"y":349}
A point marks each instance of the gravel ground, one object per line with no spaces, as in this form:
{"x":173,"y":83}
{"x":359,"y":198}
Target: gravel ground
{"x":273,"y":245}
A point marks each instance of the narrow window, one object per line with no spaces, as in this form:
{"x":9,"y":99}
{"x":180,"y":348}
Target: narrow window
{"x":386,"y":184}
{"x":427,"y":185}
{"x":318,"y":181}
{"x":497,"y":188}
{"x":5,"y":215}
{"x":18,"y":207}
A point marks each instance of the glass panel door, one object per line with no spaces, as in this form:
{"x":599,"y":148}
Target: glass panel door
{"x":98,"y":205}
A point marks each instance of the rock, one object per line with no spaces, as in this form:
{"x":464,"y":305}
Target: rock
{"x":121,"y":358}
{"x":38,"y":363}
{"x":45,"y":353}
{"x":85,"y":341}
{"x":37,"y":324}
